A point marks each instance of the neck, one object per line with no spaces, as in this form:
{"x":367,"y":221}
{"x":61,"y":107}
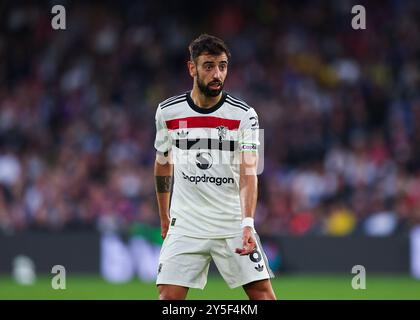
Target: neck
{"x":203,"y":101}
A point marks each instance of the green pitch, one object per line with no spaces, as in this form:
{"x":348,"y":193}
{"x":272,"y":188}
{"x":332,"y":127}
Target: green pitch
{"x":286,"y":287}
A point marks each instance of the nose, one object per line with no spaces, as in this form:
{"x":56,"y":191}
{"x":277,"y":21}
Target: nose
{"x":217,"y":75}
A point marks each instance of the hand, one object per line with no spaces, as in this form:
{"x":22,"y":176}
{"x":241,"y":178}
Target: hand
{"x":248,"y":242}
{"x":164,"y":226}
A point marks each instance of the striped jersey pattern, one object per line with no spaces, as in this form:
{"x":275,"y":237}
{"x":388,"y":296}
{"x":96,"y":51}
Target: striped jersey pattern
{"x":206,"y":146}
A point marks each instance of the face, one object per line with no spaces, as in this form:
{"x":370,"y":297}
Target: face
{"x":210,"y":73}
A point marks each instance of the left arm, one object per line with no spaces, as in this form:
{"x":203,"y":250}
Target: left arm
{"x":248,"y":189}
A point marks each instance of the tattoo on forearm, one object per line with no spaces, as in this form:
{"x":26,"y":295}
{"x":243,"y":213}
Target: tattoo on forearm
{"x":163,"y":183}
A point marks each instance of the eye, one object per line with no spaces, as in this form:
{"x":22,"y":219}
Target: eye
{"x":208,"y":67}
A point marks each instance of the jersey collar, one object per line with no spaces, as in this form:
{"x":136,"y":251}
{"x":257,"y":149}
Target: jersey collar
{"x":205,"y":110}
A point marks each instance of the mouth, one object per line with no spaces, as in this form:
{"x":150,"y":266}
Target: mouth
{"x":215,"y":85}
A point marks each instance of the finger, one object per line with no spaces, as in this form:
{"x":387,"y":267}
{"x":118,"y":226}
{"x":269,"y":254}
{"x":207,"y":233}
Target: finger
{"x":245,"y":241}
{"x":252,"y":246}
{"x":251,"y":243}
{"x":247,"y":250}
{"x":242,"y":251}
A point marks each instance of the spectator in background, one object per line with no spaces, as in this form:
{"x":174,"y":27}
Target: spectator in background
{"x":341,"y":108}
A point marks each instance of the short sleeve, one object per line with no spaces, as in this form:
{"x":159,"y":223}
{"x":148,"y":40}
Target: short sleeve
{"x":163,"y":141}
{"x":249,"y":132}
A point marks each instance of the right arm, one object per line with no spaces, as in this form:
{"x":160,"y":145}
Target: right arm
{"x":163,"y":184}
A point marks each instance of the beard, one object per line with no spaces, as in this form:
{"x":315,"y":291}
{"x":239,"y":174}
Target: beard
{"x":206,"y":90}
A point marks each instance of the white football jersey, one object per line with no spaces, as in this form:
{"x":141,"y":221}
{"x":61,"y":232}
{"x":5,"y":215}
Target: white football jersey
{"x":206,"y":146}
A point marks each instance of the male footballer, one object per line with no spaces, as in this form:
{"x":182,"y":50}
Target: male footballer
{"x":206,"y":144}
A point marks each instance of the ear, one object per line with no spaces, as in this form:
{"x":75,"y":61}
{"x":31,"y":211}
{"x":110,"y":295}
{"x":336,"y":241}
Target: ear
{"x":191,"y":68}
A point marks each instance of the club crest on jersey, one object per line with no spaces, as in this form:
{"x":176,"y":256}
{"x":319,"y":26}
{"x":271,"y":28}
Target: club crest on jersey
{"x":221,"y":131}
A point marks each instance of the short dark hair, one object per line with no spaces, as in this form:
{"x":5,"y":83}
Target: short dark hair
{"x":206,"y":43}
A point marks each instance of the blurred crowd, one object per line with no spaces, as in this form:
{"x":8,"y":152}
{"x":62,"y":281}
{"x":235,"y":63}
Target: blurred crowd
{"x":340,"y":109}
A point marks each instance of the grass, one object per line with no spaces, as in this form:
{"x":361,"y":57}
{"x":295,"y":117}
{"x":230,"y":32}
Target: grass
{"x":287,"y":287}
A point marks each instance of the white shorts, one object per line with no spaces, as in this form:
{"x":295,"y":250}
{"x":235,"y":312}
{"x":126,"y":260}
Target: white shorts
{"x":184,"y":261}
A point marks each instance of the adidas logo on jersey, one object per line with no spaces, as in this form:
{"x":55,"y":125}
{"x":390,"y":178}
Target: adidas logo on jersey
{"x":182,"y":134}
{"x":218,"y":181}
